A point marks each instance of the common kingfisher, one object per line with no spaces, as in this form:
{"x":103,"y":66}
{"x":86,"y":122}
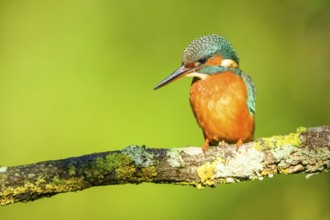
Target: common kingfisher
{"x":222,"y":96}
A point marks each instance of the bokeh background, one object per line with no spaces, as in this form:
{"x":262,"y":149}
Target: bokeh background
{"x":76,"y":77}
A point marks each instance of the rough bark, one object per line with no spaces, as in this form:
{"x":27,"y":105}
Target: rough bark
{"x":305,"y":151}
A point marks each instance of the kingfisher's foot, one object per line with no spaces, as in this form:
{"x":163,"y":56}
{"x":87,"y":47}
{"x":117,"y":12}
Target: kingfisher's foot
{"x":239,"y":142}
{"x":206,"y":145}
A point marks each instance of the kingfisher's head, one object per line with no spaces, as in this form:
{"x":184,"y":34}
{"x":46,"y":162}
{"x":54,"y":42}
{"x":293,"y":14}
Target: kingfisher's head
{"x":206,"y":55}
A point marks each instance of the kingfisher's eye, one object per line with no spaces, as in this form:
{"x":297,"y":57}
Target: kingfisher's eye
{"x":202,"y":61}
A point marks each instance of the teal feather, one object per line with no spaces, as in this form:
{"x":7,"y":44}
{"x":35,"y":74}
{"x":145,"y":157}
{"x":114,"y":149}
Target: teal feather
{"x":251,"y":100}
{"x":212,"y":69}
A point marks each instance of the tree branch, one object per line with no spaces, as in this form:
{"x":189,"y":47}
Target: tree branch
{"x":306,"y":151}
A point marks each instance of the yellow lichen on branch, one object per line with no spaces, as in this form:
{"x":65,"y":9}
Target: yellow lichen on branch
{"x":304,"y":151}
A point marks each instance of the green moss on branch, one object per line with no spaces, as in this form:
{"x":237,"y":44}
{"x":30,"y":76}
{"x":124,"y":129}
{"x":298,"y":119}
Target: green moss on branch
{"x":304,"y":151}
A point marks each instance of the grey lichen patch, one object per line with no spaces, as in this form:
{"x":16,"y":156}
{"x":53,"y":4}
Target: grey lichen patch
{"x":230,"y":180}
{"x":247,"y":163}
{"x":174,"y":158}
{"x":320,"y":160}
{"x":193,"y":151}
{"x":283,"y":154}
{"x":140,"y":155}
{"x":3,"y":169}
{"x":289,"y":159}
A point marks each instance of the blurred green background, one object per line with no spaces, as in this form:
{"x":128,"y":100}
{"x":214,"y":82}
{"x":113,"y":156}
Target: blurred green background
{"x":76,"y":77}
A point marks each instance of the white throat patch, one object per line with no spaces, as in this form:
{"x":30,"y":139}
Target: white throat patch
{"x":229,"y":63}
{"x":198,"y":75}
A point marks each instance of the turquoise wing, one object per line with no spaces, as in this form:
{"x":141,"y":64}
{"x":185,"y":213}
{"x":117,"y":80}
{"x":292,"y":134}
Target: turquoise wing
{"x":251,"y":100}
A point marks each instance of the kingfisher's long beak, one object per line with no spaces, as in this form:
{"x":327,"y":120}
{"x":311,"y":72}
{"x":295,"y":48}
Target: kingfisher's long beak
{"x":182,"y":71}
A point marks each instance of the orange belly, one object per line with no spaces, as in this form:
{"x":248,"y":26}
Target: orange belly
{"x":219,"y":105}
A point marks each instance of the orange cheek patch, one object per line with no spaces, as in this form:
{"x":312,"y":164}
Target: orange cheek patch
{"x":192,"y":65}
{"x":215,"y":60}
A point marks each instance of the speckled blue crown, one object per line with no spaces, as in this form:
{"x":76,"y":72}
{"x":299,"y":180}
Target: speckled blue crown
{"x":207,"y":46}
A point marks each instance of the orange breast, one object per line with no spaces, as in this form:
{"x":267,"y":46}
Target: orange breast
{"x":219,"y":105}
